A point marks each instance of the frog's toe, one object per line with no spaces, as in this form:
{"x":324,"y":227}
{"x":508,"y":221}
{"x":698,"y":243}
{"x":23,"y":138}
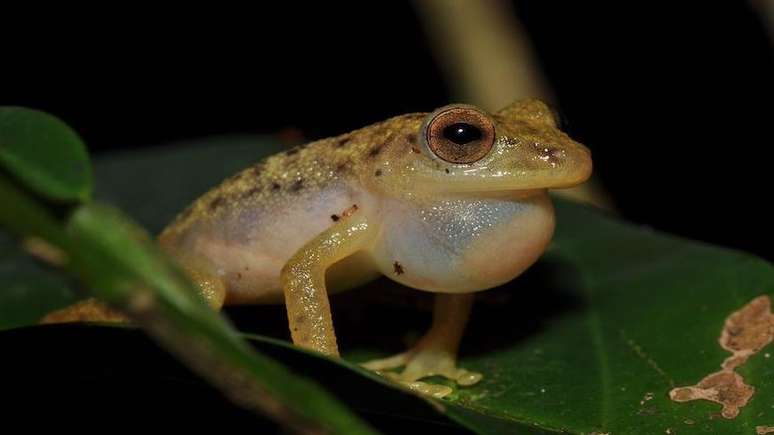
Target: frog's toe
{"x":434,"y":390}
{"x":467,"y":378}
{"x":388,"y":363}
{"x":422,"y":364}
{"x":433,"y":363}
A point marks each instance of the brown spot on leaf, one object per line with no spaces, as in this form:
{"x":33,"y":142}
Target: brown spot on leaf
{"x":411,"y":138}
{"x":378,"y":172}
{"x":275,"y":186}
{"x":724,"y":387}
{"x":415,"y":150}
{"x":446,"y":170}
{"x":744,"y":334}
{"x":297,"y":185}
{"x":398,"y":268}
{"x":335,"y":218}
{"x":375,"y":151}
{"x":748,"y":330}
{"x":257,"y":169}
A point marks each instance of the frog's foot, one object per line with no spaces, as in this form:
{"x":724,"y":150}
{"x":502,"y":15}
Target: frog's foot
{"x":422,"y":363}
{"x":88,"y":310}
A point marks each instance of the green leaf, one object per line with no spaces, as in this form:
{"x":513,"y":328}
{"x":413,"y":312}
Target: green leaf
{"x":45,"y":154}
{"x":635,"y":314}
{"x":591,"y":339}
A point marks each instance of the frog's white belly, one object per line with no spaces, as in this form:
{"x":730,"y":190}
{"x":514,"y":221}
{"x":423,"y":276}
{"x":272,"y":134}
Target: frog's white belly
{"x":248,"y":248}
{"x":455,"y":245}
{"x":463,"y":245}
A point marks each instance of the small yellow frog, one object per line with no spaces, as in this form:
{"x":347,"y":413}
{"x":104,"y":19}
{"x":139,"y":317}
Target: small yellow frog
{"x":451,"y":202}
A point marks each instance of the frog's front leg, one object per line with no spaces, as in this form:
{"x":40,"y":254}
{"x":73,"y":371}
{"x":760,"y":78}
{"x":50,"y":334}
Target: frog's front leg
{"x":436,"y":352}
{"x":303,"y":281}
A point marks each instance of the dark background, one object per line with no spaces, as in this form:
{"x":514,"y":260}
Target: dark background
{"x":674,"y":100}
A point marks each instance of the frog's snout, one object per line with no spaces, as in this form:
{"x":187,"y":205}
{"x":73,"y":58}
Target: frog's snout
{"x":569,"y":163}
{"x":579,"y":164}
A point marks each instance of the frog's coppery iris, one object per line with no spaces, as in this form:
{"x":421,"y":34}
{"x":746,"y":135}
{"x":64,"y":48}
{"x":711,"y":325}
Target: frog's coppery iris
{"x":460,"y":134}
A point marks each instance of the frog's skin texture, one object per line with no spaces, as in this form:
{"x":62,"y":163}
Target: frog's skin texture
{"x":385,"y":199}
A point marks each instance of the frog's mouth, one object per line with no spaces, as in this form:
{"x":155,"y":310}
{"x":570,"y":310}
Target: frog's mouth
{"x":510,"y":184}
{"x":517,"y":195}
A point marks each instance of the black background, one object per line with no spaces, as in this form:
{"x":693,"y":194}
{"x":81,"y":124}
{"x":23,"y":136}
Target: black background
{"x":674,"y":100}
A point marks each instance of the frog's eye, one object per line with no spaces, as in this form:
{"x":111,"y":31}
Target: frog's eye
{"x":460,"y":134}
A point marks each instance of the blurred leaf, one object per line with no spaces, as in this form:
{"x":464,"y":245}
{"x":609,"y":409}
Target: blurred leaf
{"x":591,"y":339}
{"x":122,"y":265}
{"x":45,"y":154}
{"x":29,"y":290}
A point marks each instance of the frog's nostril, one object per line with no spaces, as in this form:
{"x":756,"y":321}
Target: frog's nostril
{"x":552,"y":155}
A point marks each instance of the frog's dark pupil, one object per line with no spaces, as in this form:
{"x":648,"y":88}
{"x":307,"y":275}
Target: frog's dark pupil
{"x":462,"y":133}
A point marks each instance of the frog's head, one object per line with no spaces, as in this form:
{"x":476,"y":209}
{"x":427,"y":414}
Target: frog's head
{"x":462,"y":149}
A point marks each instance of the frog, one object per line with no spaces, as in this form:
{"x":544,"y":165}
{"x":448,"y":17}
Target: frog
{"x":451,"y":202}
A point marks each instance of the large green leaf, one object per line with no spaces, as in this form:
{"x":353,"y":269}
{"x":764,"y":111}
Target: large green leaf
{"x":591,"y":339}
{"x":45,"y":153}
{"x":635,"y":313}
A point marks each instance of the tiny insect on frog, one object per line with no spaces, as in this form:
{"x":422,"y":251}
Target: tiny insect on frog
{"x":450,"y":202}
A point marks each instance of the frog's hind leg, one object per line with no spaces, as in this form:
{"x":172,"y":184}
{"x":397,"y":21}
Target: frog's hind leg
{"x":206,"y":279}
{"x":436,"y":353}
{"x":87,"y":310}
